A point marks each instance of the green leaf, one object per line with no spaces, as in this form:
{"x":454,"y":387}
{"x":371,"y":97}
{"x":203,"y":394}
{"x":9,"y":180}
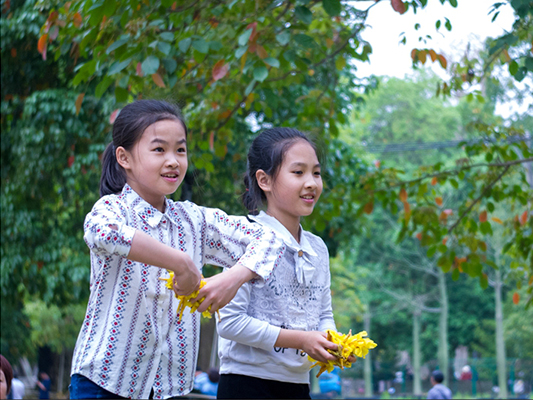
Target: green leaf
{"x":249,"y":88}
{"x":273,"y":62}
{"x":483,"y":281}
{"x":118,"y":43}
{"x":118,"y":66}
{"x":201,"y":46}
{"x":513,"y":67}
{"x":243,"y":39}
{"x":303,"y":14}
{"x":456,"y":274}
{"x":164,"y":47}
{"x":332,"y":7}
{"x":170,"y":65}
{"x":121,"y":95}
{"x":283,"y":37}
{"x":102,"y":86}
{"x":260,"y":73}
{"x":150,"y":65}
{"x":240,"y":51}
{"x":167,"y":36}
{"x":304,"y":40}
{"x":184,"y":44}
{"x":431,"y":251}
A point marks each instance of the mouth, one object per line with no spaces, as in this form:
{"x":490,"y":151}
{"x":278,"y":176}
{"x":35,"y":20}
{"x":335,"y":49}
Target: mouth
{"x":171,"y":176}
{"x":308,"y":197}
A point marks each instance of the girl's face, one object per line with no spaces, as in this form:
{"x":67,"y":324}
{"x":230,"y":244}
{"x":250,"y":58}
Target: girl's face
{"x":157,"y":163}
{"x":3,"y":385}
{"x":297,"y":186}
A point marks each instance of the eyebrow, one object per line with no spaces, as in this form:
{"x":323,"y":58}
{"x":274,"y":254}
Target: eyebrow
{"x":157,"y":140}
{"x":302,"y":164}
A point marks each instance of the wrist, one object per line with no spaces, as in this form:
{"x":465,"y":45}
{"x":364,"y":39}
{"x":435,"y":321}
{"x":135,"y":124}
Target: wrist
{"x":242,"y":274}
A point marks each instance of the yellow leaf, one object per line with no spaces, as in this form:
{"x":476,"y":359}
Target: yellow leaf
{"x":158,"y":80}
{"x":79,"y":100}
{"x":496,"y":219}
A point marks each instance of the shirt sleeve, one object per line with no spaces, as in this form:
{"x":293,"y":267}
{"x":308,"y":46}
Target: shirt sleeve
{"x":326,"y":316}
{"x":105,"y":229}
{"x":232,"y":239}
{"x":235,"y":324}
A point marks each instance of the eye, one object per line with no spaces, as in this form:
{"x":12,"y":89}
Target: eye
{"x":298,"y":172}
{"x":182,"y":150}
{"x":159,"y":149}
{"x":318,"y":173}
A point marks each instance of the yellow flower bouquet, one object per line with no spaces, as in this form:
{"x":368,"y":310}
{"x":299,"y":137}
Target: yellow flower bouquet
{"x":357,"y":345}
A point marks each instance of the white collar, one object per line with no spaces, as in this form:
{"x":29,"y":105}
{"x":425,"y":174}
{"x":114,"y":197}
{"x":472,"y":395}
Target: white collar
{"x":303,"y":251}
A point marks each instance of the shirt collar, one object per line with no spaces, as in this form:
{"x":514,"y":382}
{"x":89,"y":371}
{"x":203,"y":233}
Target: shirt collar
{"x":147,"y":213}
{"x":303,"y":251}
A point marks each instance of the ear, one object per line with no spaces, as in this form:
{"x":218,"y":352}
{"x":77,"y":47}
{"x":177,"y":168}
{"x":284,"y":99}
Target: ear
{"x":264,"y":181}
{"x":123,"y":157}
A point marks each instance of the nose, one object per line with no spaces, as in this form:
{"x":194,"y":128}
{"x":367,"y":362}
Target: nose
{"x":172,"y":160}
{"x":311,"y":181}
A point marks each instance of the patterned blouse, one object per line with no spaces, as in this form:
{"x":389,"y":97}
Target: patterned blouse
{"x":296,"y":296}
{"x":131,"y":340}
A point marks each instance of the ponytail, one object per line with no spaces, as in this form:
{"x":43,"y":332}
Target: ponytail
{"x":253,"y":197}
{"x":113,"y":176}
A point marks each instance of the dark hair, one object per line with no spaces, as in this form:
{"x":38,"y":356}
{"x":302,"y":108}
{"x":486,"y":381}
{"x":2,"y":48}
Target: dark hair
{"x":5,"y":366}
{"x":267,"y":153}
{"x":213,"y":375}
{"x":128,"y":128}
{"x":438,"y":376}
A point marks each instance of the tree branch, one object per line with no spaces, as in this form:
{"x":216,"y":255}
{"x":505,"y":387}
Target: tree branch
{"x":479,"y":198}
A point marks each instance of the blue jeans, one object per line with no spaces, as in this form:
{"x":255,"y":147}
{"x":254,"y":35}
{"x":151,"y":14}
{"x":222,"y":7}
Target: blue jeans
{"x":83,"y":388}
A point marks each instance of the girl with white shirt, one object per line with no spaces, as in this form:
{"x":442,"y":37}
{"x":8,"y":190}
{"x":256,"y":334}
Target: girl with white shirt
{"x":266,"y":331}
{"x":132,"y":344}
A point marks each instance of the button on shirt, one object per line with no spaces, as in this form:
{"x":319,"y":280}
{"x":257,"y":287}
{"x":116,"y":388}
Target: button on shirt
{"x":131,"y":340}
{"x":296,"y":296}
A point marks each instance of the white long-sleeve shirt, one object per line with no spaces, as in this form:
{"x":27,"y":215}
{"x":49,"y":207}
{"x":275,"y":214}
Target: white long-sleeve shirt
{"x":296,"y":296}
{"x":131,"y":340}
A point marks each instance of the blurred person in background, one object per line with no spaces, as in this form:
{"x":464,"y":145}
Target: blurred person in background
{"x":17,"y":388}
{"x":6,"y":376}
{"x":44,"y":384}
{"x":438,"y":391}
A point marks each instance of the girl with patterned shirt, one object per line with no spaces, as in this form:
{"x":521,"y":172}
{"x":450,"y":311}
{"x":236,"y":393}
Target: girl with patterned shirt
{"x":266,"y":332}
{"x":131,"y":343}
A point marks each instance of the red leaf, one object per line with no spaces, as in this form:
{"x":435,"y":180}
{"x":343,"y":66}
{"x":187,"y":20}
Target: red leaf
{"x":403,"y":195}
{"x":212,"y":140}
{"x":41,"y":44}
{"x":523,"y":218}
{"x":398,"y":6}
{"x":369,"y":207}
{"x":516,"y":298}
{"x":220,"y":70}
{"x":438,"y":200}
{"x":113,"y":116}
{"x":77,"y":20}
{"x":407,"y":211}
{"x":261,"y":52}
{"x":70,"y":161}
{"x":483,"y":216}
{"x":13,"y":52}
{"x":442,"y":61}
{"x":377,"y":163}
{"x":434,"y":181}
{"x":444,"y":241}
{"x":139,"y":69}
{"x":158,"y":80}
{"x":419,"y":235}
{"x":414,"y":52}
{"x":432,"y":54}
{"x":79,"y":100}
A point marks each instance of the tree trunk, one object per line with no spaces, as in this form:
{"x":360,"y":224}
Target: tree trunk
{"x":61,"y":373}
{"x":417,"y":386}
{"x":443,"y":327}
{"x":368,"y":360}
{"x":500,"y":342}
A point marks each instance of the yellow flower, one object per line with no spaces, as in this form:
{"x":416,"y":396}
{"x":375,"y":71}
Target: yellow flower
{"x":185,"y":301}
{"x":347,"y":345}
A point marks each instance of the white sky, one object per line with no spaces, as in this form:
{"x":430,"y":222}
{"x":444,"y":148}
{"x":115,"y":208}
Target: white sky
{"x":471,"y":23}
